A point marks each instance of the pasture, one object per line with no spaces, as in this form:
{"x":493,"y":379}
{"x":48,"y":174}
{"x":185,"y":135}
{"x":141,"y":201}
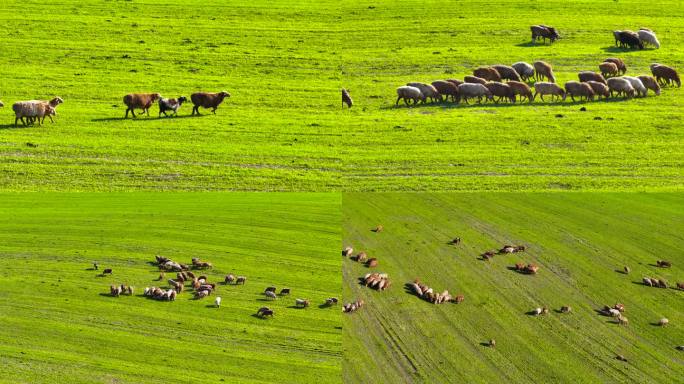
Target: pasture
{"x":278,"y":131}
{"x":59,"y":323}
{"x":613,"y":145}
{"x":577,"y":240}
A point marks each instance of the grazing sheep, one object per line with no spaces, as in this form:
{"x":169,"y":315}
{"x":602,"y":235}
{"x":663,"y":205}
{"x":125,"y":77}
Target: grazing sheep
{"x":284,"y":292}
{"x":348,"y":251}
{"x":372,"y":262}
{"x":115,"y":290}
{"x":608,"y":69}
{"x":270,"y":295}
{"x":377,"y":229}
{"x":301,"y":303}
{"x":171,"y":105}
{"x":455,"y":241}
{"x":638,"y":86}
{"x":680,"y":347}
{"x":507,"y":72}
{"x":525,"y":70}
{"x":665,"y":75}
{"x":544,"y":88}
{"x":1,"y":104}
{"x":140,"y":101}
{"x":650,"y":83}
{"x":663,"y":264}
{"x":446,"y":88}
{"x":416,"y":288}
{"x":616,"y":35}
{"x":543,"y":70}
{"x":107,"y":271}
{"x":600,"y":89}
{"x":428,"y":91}
{"x":346,"y":99}
{"x":95,"y":266}
{"x":501,"y":91}
{"x":544,"y":32}
{"x":627,"y":270}
{"x":648,"y":37}
{"x":521,"y":89}
{"x":361,"y":257}
{"x":630,"y":39}
{"x":331,"y":301}
{"x":201,"y":294}
{"x":409,"y":93}
{"x":207,"y":100}
{"x":647,"y":281}
{"x":352,"y":307}
{"x":621,"y":87}
{"x":566,"y":309}
{"x":240,"y":280}
{"x":622,"y":320}
{"x":663,"y":322}
{"x":586,"y":76}
{"x":487,"y":73}
{"x":621,"y":358}
{"x":470,"y":90}
{"x":270,"y":289}
{"x":622,"y":68}
{"x":575,"y":88}
{"x":230,"y":278}
{"x":537,"y":311}
{"x":492,"y":343}
{"x":474,"y":80}
{"x":264,"y":311}
{"x":379,"y":281}
{"x":459,"y":299}
{"x":217,"y":301}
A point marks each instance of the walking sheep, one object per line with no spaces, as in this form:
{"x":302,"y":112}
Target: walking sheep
{"x":447,"y":89}
{"x":301,"y":303}
{"x":521,"y":89}
{"x":525,"y":70}
{"x":428,"y":91}
{"x":501,"y":91}
{"x":474,"y":80}
{"x":409,"y":93}
{"x":543,"y":70}
{"x":346,"y":98}
{"x":639,"y":88}
{"x":487,"y":73}
{"x":622,"y":68}
{"x":650,"y":83}
{"x":32,"y":111}
{"x":207,"y":100}
{"x":507,"y":72}
{"x":586,"y":76}
{"x":544,"y":88}
{"x":470,"y":90}
{"x":171,"y":105}
{"x":217,"y":301}
{"x":600,"y":89}
{"x":574,"y":88}
{"x":140,"y":101}
{"x":608,"y":69}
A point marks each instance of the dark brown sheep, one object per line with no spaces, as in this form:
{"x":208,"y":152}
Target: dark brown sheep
{"x":631,"y":39}
{"x":446,"y":88}
{"x":140,"y":101}
{"x":665,"y":75}
{"x":608,"y":69}
{"x":650,"y":83}
{"x":207,"y":100}
{"x":599,"y":89}
{"x":544,"y":32}
{"x":622,"y":68}
{"x":543,"y":70}
{"x":474,"y":80}
{"x":107,"y":271}
{"x":575,"y":88}
{"x":346,"y":99}
{"x":507,"y":72}
{"x":663,"y":264}
{"x":585,"y":76}
{"x":521,"y":89}
{"x":501,"y":91}
{"x":372,"y":262}
{"x":487,"y":73}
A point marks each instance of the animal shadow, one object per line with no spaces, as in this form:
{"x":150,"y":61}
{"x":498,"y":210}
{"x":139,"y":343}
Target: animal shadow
{"x":531,"y":313}
{"x":108,"y":295}
{"x":530,"y":44}
{"x":324,"y":305}
{"x":485,"y":344}
{"x":211,"y":306}
{"x":622,"y":271}
{"x":295,"y":307}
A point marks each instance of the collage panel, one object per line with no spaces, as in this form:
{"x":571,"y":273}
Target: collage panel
{"x":172,"y":288}
{"x":503,"y":288}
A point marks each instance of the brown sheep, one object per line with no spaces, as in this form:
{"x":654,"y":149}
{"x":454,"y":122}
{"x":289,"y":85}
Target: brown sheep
{"x":487,"y":73}
{"x":377,"y":229}
{"x":474,"y":80}
{"x":599,"y":89}
{"x":665,"y":75}
{"x":574,"y":88}
{"x":544,"y":88}
{"x":586,"y":76}
{"x":347,"y":251}
{"x":663,"y":264}
{"x":543,"y":70}
{"x":427,"y":90}
{"x":507,"y":72}
{"x":608,"y":69}
{"x":622,"y":68}
{"x":521,"y":89}
{"x":650,"y":83}
{"x":446,"y":88}
{"x":207,"y":100}
{"x":361,"y":257}
{"x":372,"y":263}
{"x":680,"y":286}
{"x":346,"y":98}
{"x":501,"y":91}
{"x":140,"y":101}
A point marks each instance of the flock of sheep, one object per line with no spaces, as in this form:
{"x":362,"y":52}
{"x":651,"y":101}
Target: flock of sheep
{"x":380,"y":281}
{"x":507,"y":83}
{"x":200,"y":285}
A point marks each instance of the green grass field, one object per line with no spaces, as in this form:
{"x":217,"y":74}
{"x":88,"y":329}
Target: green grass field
{"x":60,"y":326}
{"x":506,"y":147}
{"x":578,"y":240}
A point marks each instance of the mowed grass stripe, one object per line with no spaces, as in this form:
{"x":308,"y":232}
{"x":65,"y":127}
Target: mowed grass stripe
{"x":578,"y":240}
{"x":60,"y":321}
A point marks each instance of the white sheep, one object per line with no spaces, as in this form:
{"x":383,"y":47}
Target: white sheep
{"x":409,"y":93}
{"x":663,"y":322}
{"x":428,"y":91}
{"x":638,"y":86}
{"x":620,"y":86}
{"x":2,"y":104}
{"x":648,"y":37}
{"x":525,"y":70}
{"x":217,"y":302}
{"x":31,"y":110}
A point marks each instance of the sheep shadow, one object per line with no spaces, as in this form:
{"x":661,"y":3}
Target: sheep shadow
{"x":485,"y":344}
{"x":325,"y":305}
{"x":530,"y":44}
{"x":107,"y":295}
{"x":266,"y":300}
{"x":259,"y":317}
{"x":211,"y":306}
{"x":12,"y":126}
{"x":655,"y":324}
{"x":614,"y":49}
{"x":91,"y":269}
{"x":558,"y":311}
{"x":143,"y":118}
{"x":532,"y":313}
{"x":295,"y":307}
{"x":621,"y":271}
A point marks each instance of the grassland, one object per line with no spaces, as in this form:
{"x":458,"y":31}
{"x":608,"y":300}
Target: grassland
{"x":577,"y":239}
{"x":59,"y":325}
{"x":278,"y":131}
{"x":635,"y":146}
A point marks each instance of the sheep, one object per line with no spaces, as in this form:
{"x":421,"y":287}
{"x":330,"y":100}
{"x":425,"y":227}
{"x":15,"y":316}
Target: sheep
{"x":680,"y":347}
{"x":347,"y":251}
{"x":575,"y":88}
{"x":217,"y":301}
{"x":608,"y":69}
{"x":543,"y":70}
{"x":638,"y":86}
{"x":621,"y":87}
{"x":471,"y":90}
{"x":361,"y":257}
{"x":455,"y":241}
{"x":566,"y":309}
{"x":525,"y":70}
{"x":545,"y":32}
{"x":663,"y":322}
{"x":270,"y":295}
{"x":331,"y":301}
{"x":207,"y":100}
{"x":600,"y":89}
{"x":115,"y":290}
{"x":427,"y":90}
{"x":544,"y":88}
{"x":521,"y":89}
{"x":506,"y":72}
{"x":372,"y":262}
{"x":616,"y":35}
{"x":352,"y":307}
{"x":270,"y":289}
{"x":54,"y":103}
{"x":501,"y":91}
{"x":171,"y":105}
{"x":140,"y":101}
{"x":586,"y":76}
{"x":107,"y":271}
{"x":458,"y":299}
{"x":487,"y":73}
{"x":665,"y":74}
{"x":647,"y":281}
{"x":409,"y":93}
{"x":95,"y":266}
{"x":680,"y":286}
{"x":648,"y":37}
{"x":631,"y":39}
{"x":284,"y":292}
{"x":32,"y":111}
{"x":240,"y":280}
{"x":536,"y":312}
{"x":492,"y":343}
{"x":474,"y":80}
{"x":230,"y":278}
{"x":377,"y":229}
{"x":301,"y":303}
{"x":455,"y":82}
{"x":346,"y":99}
{"x":447,"y":89}
{"x":264,"y":311}
{"x":1,"y":104}
{"x":622,"y":68}
{"x":622,"y":320}
{"x":627,"y":270}
{"x":663,"y":264}
{"x":650,"y":83}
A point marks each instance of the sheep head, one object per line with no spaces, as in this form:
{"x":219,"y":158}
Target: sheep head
{"x":224,"y":94}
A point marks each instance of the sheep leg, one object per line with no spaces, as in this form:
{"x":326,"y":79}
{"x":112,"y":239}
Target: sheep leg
{"x":213,"y":110}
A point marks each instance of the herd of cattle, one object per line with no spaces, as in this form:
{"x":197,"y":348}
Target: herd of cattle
{"x":200,"y":285}
{"x":380,"y":281}
{"x":507,"y":83}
